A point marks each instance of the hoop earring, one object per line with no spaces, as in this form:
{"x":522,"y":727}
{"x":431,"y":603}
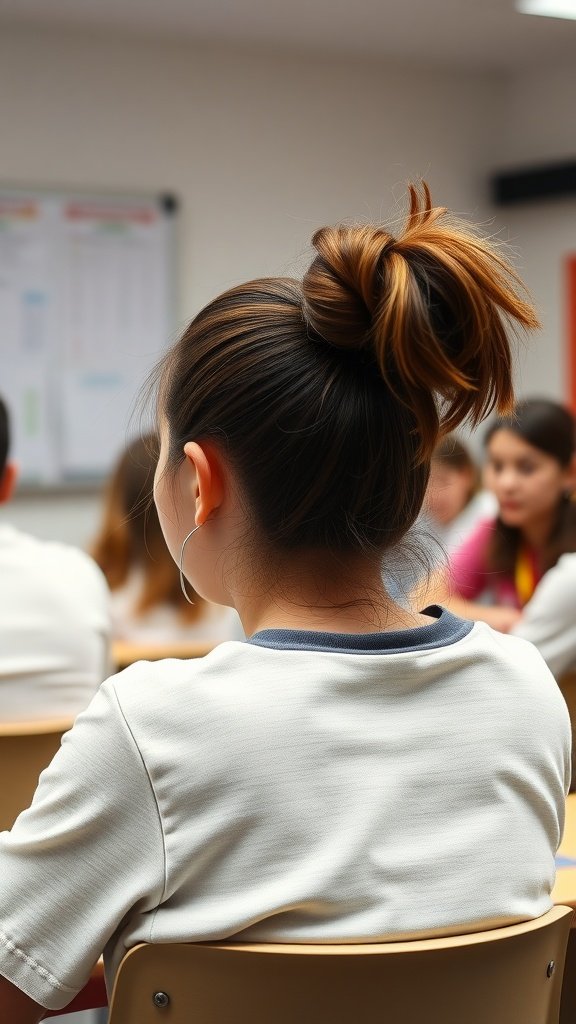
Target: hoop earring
{"x":184,"y":543}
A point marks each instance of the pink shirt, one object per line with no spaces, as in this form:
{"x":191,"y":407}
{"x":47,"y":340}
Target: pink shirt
{"x":469,"y":573}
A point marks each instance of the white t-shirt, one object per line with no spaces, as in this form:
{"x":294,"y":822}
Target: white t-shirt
{"x":163,"y":623}
{"x":296,"y":787}
{"x":54,"y":628}
{"x":549,"y":618}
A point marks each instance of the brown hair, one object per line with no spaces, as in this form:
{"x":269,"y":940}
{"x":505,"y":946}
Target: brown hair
{"x":454,"y":454}
{"x":130,"y":534}
{"x":328,"y":396}
{"x":551,"y":428}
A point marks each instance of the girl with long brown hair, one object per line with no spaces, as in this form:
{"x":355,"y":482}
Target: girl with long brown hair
{"x":454,"y":503}
{"x":354,"y":771}
{"x":531,"y":469}
{"x":147,"y":602}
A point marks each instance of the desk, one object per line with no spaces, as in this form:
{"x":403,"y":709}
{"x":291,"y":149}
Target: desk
{"x":124,"y":654}
{"x":565,"y":892}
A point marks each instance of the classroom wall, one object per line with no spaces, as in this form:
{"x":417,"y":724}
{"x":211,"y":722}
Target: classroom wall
{"x":260,"y":147}
{"x":539,"y":128}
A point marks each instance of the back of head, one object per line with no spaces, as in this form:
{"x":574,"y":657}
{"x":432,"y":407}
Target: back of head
{"x":4,"y":436}
{"x":542,"y":423}
{"x":329,"y":396}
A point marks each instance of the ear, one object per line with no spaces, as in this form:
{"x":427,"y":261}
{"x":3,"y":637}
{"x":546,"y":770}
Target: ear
{"x":8,"y":481}
{"x":209,"y":470}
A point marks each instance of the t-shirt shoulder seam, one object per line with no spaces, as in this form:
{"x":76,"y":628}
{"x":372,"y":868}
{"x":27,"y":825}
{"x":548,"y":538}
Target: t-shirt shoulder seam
{"x":503,"y":640}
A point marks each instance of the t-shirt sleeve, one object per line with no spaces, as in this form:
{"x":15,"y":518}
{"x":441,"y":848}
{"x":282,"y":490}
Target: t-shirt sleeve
{"x":467,"y":567}
{"x":549,"y":618}
{"x":88,"y":852}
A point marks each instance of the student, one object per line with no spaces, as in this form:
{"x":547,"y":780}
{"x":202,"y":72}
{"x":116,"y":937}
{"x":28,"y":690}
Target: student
{"x":147,"y":602}
{"x":354,"y":771}
{"x":454,"y":503}
{"x":54,"y":618}
{"x":531,"y":469}
{"x":549,"y":618}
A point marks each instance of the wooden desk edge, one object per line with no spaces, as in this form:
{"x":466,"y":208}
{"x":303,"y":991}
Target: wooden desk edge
{"x":124,"y":654}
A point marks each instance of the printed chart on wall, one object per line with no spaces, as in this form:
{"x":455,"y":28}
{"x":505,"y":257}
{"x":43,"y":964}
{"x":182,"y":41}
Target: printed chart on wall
{"x":86,"y":309}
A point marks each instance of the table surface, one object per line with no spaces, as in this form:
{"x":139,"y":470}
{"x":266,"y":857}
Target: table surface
{"x":565,"y":888}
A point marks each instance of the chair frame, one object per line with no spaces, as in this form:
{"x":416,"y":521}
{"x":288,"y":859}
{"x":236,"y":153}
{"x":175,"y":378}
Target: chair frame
{"x":26,"y":748}
{"x":508,"y":975}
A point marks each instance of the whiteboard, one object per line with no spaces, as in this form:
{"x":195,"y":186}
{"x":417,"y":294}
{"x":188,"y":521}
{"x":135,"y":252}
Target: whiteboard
{"x":86,"y":310}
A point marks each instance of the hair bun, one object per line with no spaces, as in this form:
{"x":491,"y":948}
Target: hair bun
{"x":432,"y":305}
{"x":343,"y":286}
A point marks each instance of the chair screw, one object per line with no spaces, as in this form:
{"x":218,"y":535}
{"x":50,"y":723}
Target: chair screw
{"x":550,"y":969}
{"x":161,"y":999}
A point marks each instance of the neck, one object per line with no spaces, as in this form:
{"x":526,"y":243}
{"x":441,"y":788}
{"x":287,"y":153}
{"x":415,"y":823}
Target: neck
{"x":536,"y":534}
{"x":342,"y":595}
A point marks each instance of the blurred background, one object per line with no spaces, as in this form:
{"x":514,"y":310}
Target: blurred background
{"x":264,"y":121}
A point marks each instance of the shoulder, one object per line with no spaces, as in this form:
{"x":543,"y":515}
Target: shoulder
{"x":170,"y":683}
{"x":518,"y":660}
{"x":52,"y":551}
{"x":511,"y":677}
{"x":64,"y":580}
{"x":68,"y":561}
{"x":566,"y":566}
{"x":557,"y":587}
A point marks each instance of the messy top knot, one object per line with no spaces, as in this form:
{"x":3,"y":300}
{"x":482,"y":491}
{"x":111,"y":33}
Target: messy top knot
{"x":430,"y":307}
{"x":329,"y":396}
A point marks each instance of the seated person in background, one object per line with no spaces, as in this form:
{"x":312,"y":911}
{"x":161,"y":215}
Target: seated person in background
{"x":452,"y":507}
{"x":54,"y":618}
{"x":454,"y":503}
{"x":549,"y":618}
{"x":522,"y":560}
{"x":148,"y":605}
{"x":354,"y":771}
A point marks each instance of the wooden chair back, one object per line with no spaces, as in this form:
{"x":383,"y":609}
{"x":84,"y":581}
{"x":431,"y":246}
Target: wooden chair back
{"x":510,"y":975}
{"x":26,"y":748}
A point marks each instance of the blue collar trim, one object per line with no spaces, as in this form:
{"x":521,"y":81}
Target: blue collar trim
{"x":445,"y":630}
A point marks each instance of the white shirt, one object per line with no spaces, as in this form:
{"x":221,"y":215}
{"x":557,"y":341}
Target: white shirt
{"x":54,"y":628}
{"x":549,"y":618}
{"x":297,"y":787}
